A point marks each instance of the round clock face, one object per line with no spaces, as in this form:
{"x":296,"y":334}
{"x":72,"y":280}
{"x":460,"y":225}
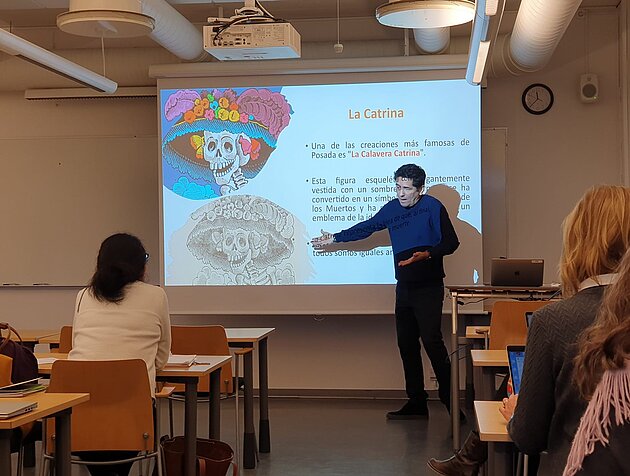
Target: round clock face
{"x":537,"y":98}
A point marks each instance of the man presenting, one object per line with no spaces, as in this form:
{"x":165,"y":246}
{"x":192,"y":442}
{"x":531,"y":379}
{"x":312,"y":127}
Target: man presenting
{"x":421,"y":234}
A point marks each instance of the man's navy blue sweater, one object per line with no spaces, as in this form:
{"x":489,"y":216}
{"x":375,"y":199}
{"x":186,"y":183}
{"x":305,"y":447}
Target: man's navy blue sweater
{"x":424,"y":226}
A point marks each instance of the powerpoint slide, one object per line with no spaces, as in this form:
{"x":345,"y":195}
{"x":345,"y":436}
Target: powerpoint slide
{"x":251,"y":174}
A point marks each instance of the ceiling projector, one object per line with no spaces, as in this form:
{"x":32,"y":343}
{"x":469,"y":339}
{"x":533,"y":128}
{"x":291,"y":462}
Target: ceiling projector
{"x":252,"y":41}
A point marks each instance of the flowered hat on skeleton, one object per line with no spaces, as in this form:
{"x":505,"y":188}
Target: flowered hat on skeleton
{"x":256,"y":117}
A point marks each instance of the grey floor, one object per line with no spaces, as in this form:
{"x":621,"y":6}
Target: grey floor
{"x":336,"y":437}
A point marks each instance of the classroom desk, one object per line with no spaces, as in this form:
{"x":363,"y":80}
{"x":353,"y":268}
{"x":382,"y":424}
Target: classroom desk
{"x":30,"y":337}
{"x":476,"y":337}
{"x":249,"y":337}
{"x":240,"y":337}
{"x":57,"y":405}
{"x":52,"y":339}
{"x":489,"y":362}
{"x":477,"y":332}
{"x":459,"y":292}
{"x":189,"y":376}
{"x":493,"y":429}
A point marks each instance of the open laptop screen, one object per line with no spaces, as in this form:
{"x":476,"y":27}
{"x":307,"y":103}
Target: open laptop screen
{"x":516,"y":358}
{"x":517,"y":272}
{"x":528,"y":318}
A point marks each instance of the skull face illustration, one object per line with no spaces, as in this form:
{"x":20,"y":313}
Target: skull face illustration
{"x":235,"y":245}
{"x":245,"y":239}
{"x":224,"y":153}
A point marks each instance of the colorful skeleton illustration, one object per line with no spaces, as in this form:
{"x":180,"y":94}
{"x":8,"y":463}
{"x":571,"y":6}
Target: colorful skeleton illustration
{"x":220,"y":139}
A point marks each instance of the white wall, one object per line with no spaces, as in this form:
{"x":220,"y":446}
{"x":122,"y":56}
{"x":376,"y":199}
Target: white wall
{"x":552,"y":159}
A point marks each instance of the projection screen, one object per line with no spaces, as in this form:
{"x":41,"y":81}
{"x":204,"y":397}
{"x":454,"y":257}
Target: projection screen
{"x":253,"y":167}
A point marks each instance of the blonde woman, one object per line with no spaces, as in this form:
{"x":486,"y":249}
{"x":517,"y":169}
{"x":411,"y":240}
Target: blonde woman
{"x":546,"y":413}
{"x":602,"y":375}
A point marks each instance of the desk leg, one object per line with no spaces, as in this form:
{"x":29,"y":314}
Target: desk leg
{"x":454,"y":374}
{"x":263,"y":383}
{"x":29,"y":455}
{"x":190,"y":427}
{"x":29,"y":449}
{"x":470,"y":384}
{"x":488,"y":383}
{"x":249,"y":436}
{"x":62,"y":443}
{"x":5,"y":452}
{"x":214,"y":429}
{"x":499,"y":459}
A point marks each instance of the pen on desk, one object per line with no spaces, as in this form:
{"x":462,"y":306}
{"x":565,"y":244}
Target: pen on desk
{"x":10,"y":284}
{"x":41,"y":284}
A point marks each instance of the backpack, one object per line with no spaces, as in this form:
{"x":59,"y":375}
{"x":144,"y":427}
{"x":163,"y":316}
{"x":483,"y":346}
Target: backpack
{"x":24,"y":365}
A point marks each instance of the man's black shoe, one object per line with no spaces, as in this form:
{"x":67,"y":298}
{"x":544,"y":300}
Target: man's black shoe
{"x":410,"y":411}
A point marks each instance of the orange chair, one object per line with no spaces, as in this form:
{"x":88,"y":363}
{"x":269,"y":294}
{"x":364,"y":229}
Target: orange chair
{"x":119,"y":414}
{"x":507,"y":323}
{"x":65,"y":340}
{"x":201,"y":340}
{"x":6,"y":368}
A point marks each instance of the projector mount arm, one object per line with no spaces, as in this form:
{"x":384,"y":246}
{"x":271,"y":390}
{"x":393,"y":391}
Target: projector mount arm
{"x":252,"y":10}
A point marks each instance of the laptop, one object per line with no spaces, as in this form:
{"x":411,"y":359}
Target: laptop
{"x":516,"y":358}
{"x":512,"y":272}
{"x":528,"y":318}
{"x":12,"y":408}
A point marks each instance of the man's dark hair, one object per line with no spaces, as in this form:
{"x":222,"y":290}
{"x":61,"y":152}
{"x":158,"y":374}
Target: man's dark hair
{"x":413,"y":172}
{"x":121,"y":260}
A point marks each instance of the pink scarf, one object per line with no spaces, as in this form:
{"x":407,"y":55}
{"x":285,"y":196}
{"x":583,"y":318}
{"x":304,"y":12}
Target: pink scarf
{"x":613,"y":391}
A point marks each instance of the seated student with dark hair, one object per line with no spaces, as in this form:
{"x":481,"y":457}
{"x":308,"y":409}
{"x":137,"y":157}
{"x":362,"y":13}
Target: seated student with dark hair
{"x":119,"y":316}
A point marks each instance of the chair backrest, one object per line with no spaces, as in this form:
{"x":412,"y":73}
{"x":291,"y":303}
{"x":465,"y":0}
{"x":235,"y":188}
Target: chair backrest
{"x":6,"y":364}
{"x":203,"y":340}
{"x":507,"y":324}
{"x":119,"y":414}
{"x":65,"y":339}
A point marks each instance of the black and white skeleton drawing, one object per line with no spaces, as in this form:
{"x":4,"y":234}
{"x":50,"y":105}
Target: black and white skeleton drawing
{"x":242,"y":239}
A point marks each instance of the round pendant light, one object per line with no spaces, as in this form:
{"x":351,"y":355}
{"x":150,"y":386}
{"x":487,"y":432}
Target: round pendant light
{"x":106,"y":19}
{"x":425,"y":13}
{"x":107,"y":24}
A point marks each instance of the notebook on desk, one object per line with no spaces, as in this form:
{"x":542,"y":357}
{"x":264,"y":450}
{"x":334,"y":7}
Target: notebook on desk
{"x":12,"y":408}
{"x":516,"y":358}
{"x":180,"y":360}
{"x":21,"y":389}
{"x":513,"y":272}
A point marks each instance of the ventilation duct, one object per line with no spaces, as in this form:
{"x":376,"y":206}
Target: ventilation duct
{"x":174,"y":32}
{"x":538,"y":29}
{"x":432,"y":40}
{"x":123,"y":18}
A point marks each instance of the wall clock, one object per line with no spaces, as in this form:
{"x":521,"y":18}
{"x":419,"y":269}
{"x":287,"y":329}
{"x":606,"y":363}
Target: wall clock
{"x":537,"y":98}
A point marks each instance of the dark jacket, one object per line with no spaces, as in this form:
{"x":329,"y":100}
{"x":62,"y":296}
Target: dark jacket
{"x":549,"y":405}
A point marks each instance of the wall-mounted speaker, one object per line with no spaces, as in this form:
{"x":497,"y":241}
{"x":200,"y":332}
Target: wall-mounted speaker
{"x":589,"y":87}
